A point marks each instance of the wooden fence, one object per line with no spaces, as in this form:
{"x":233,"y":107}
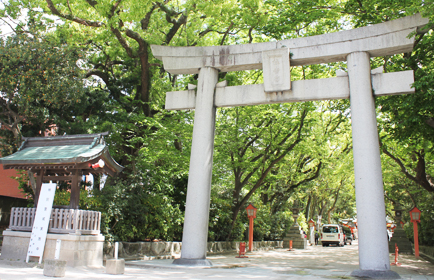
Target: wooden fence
{"x":61,"y":221}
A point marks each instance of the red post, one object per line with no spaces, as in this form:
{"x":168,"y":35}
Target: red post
{"x":251,"y":213}
{"x":242,"y":253}
{"x":415,"y":218}
{"x":290,"y":245}
{"x":416,"y":240}
{"x":250,"y":233}
{"x":396,"y":256}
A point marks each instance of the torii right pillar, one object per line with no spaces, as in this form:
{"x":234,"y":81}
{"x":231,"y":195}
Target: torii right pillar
{"x":371,"y":216}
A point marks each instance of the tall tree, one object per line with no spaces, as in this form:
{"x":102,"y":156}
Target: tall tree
{"x":314,"y":160}
{"x":119,"y":34}
{"x":414,"y":160}
{"x":38,"y":79}
{"x":255,"y":142}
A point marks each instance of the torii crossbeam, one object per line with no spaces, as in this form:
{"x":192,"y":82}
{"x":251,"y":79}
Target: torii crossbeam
{"x":359,"y":85}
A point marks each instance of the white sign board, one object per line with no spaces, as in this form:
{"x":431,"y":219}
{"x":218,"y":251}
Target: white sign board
{"x":57,"y":252}
{"x":275,"y":64}
{"x":40,"y":224}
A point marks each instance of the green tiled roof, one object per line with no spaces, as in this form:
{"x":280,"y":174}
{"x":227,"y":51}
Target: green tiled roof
{"x":68,"y":149}
{"x":54,"y":154}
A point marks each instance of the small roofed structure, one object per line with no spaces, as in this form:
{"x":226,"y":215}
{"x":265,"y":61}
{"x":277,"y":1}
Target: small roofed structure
{"x":63,"y":158}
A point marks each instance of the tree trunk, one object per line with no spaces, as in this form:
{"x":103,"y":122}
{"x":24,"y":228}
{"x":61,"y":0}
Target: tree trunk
{"x":307,"y":211}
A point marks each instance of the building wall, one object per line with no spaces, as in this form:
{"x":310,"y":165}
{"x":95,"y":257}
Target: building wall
{"x":10,"y":194}
{"x":8,"y":185}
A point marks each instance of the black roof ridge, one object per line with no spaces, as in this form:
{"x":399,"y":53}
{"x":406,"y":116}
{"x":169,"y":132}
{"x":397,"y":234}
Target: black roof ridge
{"x":69,"y":136}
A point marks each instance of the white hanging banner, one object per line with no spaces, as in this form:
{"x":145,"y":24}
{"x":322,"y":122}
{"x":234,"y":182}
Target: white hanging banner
{"x":41,"y":222}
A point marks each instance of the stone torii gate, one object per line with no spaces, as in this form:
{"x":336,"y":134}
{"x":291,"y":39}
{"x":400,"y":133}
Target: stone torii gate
{"x":359,"y":85}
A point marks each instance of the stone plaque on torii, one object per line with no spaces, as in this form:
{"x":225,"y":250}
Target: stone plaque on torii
{"x":359,"y":85}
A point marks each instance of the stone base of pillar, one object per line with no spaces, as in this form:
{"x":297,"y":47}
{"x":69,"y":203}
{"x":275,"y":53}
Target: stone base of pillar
{"x":193,"y":262}
{"x":115,"y":266}
{"x":375,"y":274}
{"x":54,"y":268}
{"x":77,"y":250}
{"x":400,"y":238}
{"x":297,"y":236}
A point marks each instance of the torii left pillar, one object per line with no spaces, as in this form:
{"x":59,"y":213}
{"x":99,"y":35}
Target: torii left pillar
{"x":195,"y":234}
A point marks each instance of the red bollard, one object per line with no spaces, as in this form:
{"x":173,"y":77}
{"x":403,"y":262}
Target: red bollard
{"x":290,"y":245}
{"x":242,"y":253}
{"x":396,"y":256}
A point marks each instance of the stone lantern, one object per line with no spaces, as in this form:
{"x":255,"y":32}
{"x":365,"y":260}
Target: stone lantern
{"x":295,"y":234}
{"x":398,"y":213}
{"x":295,"y":212}
{"x":399,"y":236}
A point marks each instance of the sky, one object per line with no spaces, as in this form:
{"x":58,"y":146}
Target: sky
{"x":7,"y":23}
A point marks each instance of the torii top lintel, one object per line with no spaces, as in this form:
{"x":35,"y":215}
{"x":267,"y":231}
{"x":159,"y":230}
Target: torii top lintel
{"x":382,"y":39}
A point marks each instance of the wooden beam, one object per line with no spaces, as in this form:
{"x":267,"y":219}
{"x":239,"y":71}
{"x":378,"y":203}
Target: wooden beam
{"x":38,"y":186}
{"x":35,"y":167}
{"x":57,"y":178}
{"x":74,"y":202}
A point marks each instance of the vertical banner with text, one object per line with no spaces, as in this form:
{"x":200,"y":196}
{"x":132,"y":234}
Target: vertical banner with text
{"x":41,"y":222}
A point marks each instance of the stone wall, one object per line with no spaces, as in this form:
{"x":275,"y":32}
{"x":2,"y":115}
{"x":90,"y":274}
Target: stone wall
{"x":171,"y":250}
{"x":77,"y":250}
{"x":428,"y":252}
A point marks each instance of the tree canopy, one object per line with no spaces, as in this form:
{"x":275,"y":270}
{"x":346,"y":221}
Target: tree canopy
{"x":38,"y":79}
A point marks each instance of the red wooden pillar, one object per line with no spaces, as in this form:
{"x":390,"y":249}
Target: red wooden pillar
{"x":416,"y":240}
{"x":250,"y":233}
{"x":415,"y":218}
{"x":38,"y":185}
{"x":251,"y":213}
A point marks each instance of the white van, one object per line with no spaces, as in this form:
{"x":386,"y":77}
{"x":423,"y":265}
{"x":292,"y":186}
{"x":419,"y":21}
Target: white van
{"x":332,"y":234}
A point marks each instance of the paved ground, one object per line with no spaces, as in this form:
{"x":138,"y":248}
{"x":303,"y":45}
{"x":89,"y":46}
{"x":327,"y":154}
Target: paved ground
{"x":314,"y":263}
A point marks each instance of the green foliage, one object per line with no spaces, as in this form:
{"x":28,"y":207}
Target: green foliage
{"x":426,"y":228}
{"x":220,"y":217}
{"x":24,"y":186}
{"x":134,"y":211}
{"x":290,"y":19}
{"x":301,"y":220}
{"x":38,"y":79}
{"x":277,"y":225}
{"x":250,"y":143}
{"x":410,"y":116}
{"x":62,"y":197}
